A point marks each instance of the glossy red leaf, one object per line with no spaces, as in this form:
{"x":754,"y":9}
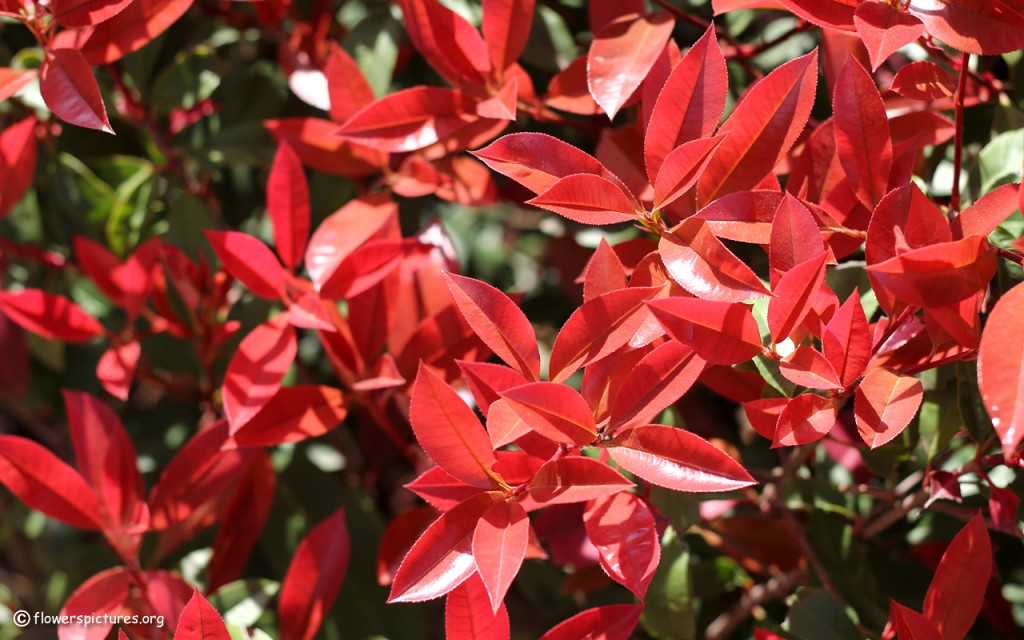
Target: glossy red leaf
{"x":984,"y":27}
{"x":504,"y":426}
{"x":622,"y":54}
{"x":923,"y":80}
{"x":863,"y":142}
{"x":795,"y":237}
{"x":116,"y":369}
{"x":807,"y":367}
{"x":536,"y":160}
{"x":51,"y":316}
{"x":346,"y":85}
{"x":556,"y":411}
{"x":847,"y":341}
{"x":939,"y":274}
{"x":499,"y":322}
{"x":104,"y":593}
{"x":598,"y":328}
{"x":409,"y":119}
{"x":957,"y":591}
{"x":884,"y":404}
{"x":314,"y":141}
{"x":762,"y":128}
{"x":658,"y":380}
{"x":622,"y":528}
{"x":293,"y":414}
{"x":905,"y":212}
{"x":982,"y":217}
{"x":690,"y":103}
{"x":449,"y":431}
{"x":676,"y":459}
{"x":452,"y":46}
{"x":763,"y":414}
{"x":588,"y":199}
{"x":17,"y":161}
{"x":250,"y":261}
{"x":314,"y":578}
{"x":793,"y":297}
{"x":242,"y":523}
{"x":45,"y":483}
{"x":200,"y":621}
{"x":499,"y":546}
{"x":468,"y":614}
{"x":133,"y":28}
{"x":884,"y":29}
{"x":256,"y":369}
{"x":613,"y":622}
{"x":14,"y":80}
{"x":720,"y":332}
{"x":70,"y":90}
{"x":486,"y":381}
{"x":702,"y":265}
{"x":365,"y":267}
{"x":75,"y":13}
{"x":805,"y":418}
{"x":506,"y":28}
{"x":349,"y":228}
{"x":835,"y":14}
{"x":911,"y":625}
{"x":288,"y":206}
{"x":440,"y":490}
{"x":575,"y":479}
{"x":442,"y":558}
{"x":1001,"y":369}
{"x":681,"y":169}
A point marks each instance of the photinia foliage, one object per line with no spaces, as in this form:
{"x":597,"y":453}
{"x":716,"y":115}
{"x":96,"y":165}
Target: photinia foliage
{"x":512,"y":318}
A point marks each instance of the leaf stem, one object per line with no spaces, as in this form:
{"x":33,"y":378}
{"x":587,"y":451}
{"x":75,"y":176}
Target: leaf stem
{"x":958,"y":143}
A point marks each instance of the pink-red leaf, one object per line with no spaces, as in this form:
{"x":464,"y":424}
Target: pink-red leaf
{"x":344,"y":231}
{"x":863,"y":142}
{"x":409,"y":119}
{"x":676,"y":459}
{"x":45,"y":483}
{"x":79,"y":13}
{"x":51,"y":316}
{"x":288,"y":206}
{"x":847,"y":341}
{"x":104,"y":593}
{"x":681,"y":169}
{"x":499,"y":546}
{"x":835,"y":14}
{"x":365,"y":267}
{"x":294,"y":414}
{"x":17,"y":160}
{"x":795,"y":237}
{"x":984,"y":27}
{"x":116,"y":368}
{"x":939,"y":274}
{"x":982,"y":217}
{"x":622,"y":528}
{"x":131,"y":29}
{"x":805,"y":418}
{"x":588,"y":199}
{"x":314,"y":578}
{"x":499,"y":322}
{"x":13,"y":80}
{"x":452,"y":46}
{"x":807,"y":367}
{"x":793,"y":297}
{"x":923,"y":80}
{"x":613,"y":622}
{"x":884,"y":404}
{"x":200,"y":621}
{"x":622,"y":54}
{"x":346,"y":85}
{"x":911,"y":625}
{"x":314,"y":140}
{"x":506,"y":28}
{"x":536,"y":160}
{"x":554,"y":410}
{"x":468,"y":614}
{"x":720,"y":332}
{"x":255,"y":371}
{"x":575,"y":479}
{"x":249,"y":260}
{"x":1001,"y":368}
{"x":957,"y":591}
{"x":70,"y":90}
{"x":702,"y":265}
{"x":449,"y":431}
{"x":658,"y":380}
{"x":884,"y":29}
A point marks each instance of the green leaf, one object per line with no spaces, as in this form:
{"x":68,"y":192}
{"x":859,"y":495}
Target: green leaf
{"x":670,"y":611}
{"x":243,"y":602}
{"x":373,"y":43}
{"x":817,"y":616}
{"x":1000,"y":161}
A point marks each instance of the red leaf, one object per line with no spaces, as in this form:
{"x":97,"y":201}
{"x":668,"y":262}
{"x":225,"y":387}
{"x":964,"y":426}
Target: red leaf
{"x":449,"y":431}
{"x":884,"y":404}
{"x":242,"y":523}
{"x":51,"y":316}
{"x":537,"y":161}
{"x":255,"y":371}
{"x":468,"y":616}
{"x":346,"y":85}
{"x":622,"y":54}
{"x":795,"y":237}
{"x":923,"y":81}
{"x":793,"y":297}
{"x":504,"y":426}
{"x":681,"y":169}
{"x":661,"y":378}
{"x":763,"y":414}
{"x":982,"y":217}
{"x":1001,"y":369}
{"x":506,"y":28}
{"x":884,"y":29}
{"x":1002,"y":505}
{"x":442,"y":558}
{"x":103,"y":593}
{"x":805,"y":419}
{"x":14,"y":80}
{"x":623,"y":530}
{"x":720,"y":332}
{"x":598,"y":328}
{"x":568,"y":90}
{"x":809,"y":368}
{"x":613,"y":622}
{"x":486,"y":381}
{"x":76,"y":13}
{"x":131,"y":29}
{"x":676,"y":459}
{"x":200,"y":621}
{"x":288,"y":206}
{"x":957,"y":591}
{"x":499,"y":322}
{"x":365,"y":267}
{"x":249,"y":260}
{"x":349,"y":228}
{"x":847,"y":341}
{"x":863,"y":142}
{"x":499,"y":546}
{"x":70,"y":90}
{"x":45,"y":483}
{"x":116,"y":369}
{"x":314,"y":140}
{"x":451,"y":45}
{"x":694,"y":97}
{"x":588,"y":199}
{"x":554,"y":410}
{"x":911,"y":625}
{"x":440,"y":490}
{"x":575,"y":479}
{"x":835,"y":14}
{"x":410,"y":119}
{"x":702,"y":265}
{"x":762,"y":128}
{"x":984,"y":27}
{"x":939,"y":274}
{"x":17,"y":160}
{"x":294,"y":414}
{"x":314,"y":578}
